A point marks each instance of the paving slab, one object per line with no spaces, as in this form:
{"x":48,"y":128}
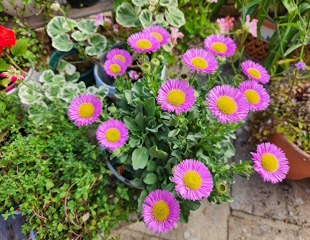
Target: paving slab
{"x":243,"y":226}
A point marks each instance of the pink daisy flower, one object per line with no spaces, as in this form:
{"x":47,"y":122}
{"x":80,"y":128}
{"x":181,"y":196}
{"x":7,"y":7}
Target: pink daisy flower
{"x":257,"y":96}
{"x":220,"y":45}
{"x":84,"y":109}
{"x":161,"y":34}
{"x":193,"y":180}
{"x":228,"y":104}
{"x":270,"y":162}
{"x":200,"y":61}
{"x":114,"y":67}
{"x":226,"y":24}
{"x":251,"y":26}
{"x":176,"y":96}
{"x":160,"y":211}
{"x":255,"y":71}
{"x":112,"y":134}
{"x":143,"y":42}
{"x":120,"y":54}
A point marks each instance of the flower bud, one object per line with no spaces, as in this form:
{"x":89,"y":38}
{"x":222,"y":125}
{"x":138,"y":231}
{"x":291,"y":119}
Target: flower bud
{"x":155,"y":62}
{"x":221,"y":188}
{"x":146,"y":67}
{"x":151,"y":8}
{"x":55,"y":6}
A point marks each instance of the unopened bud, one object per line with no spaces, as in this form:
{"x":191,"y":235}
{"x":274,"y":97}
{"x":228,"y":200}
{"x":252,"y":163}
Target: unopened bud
{"x":155,"y":62}
{"x":55,"y":6}
{"x":146,"y":67}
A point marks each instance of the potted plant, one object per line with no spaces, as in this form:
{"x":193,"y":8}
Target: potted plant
{"x":76,"y":42}
{"x":290,"y":31}
{"x":172,"y":138}
{"x":286,"y":121}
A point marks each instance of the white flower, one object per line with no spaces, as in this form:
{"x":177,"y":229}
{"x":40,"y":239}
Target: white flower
{"x":55,"y":6}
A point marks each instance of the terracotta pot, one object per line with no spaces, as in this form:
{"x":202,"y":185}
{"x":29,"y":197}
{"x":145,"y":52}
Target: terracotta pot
{"x":298,"y":159}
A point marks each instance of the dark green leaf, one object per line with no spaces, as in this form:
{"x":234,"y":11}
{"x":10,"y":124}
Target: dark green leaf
{"x":140,"y":157}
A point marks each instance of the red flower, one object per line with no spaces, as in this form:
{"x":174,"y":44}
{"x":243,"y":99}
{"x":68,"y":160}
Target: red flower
{"x":7,"y":38}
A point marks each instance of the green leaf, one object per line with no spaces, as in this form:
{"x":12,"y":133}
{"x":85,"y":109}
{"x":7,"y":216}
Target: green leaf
{"x":79,"y":36}
{"x":68,"y":92}
{"x":31,"y":95}
{"x":52,"y":92}
{"x":139,"y":120}
{"x":20,"y":48}
{"x":175,"y":17}
{"x":130,"y":123}
{"x":47,"y":76}
{"x":72,"y":78}
{"x":164,"y":2}
{"x":141,"y":199}
{"x":87,"y":26}
{"x":151,"y":166}
{"x":136,"y":182}
{"x":66,"y":67}
{"x":49,"y":184}
{"x":146,"y":18}
{"x":3,"y":65}
{"x":140,"y":157}
{"x":127,"y":16}
{"x":139,"y":3}
{"x":62,"y":42}
{"x":103,"y":91}
{"x":155,"y":153}
{"x":37,"y":112}
{"x":60,"y":227}
{"x":98,"y":44}
{"x":150,"y":179}
{"x":149,"y":107}
{"x":160,"y":20}
{"x":5,"y":82}
{"x":58,"y":25}
{"x":174,"y":132}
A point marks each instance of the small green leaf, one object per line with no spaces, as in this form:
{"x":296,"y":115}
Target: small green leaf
{"x":62,"y":42}
{"x":49,"y":184}
{"x":175,"y":17}
{"x":3,"y":65}
{"x":127,"y":16}
{"x":149,"y":107}
{"x":130,"y":124}
{"x":136,"y":182}
{"x":47,"y":76}
{"x":60,"y":227}
{"x":139,"y":3}
{"x":155,"y":153}
{"x":151,"y":179}
{"x":20,"y":48}
{"x":140,"y":157}
{"x":146,"y":18}
{"x":139,"y":120}
{"x":87,"y":26}
{"x":79,"y":36}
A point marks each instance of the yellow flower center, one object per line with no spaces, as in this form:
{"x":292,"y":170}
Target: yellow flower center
{"x":144,"y":44}
{"x":219,"y":47}
{"x":199,"y":62}
{"x":115,"y":68}
{"x":252,"y":96}
{"x":254,"y":73}
{"x":112,"y":135}
{"x":160,"y":211}
{"x":86,"y":110}
{"x":269,"y":162}
{"x":226,"y":105}
{"x":158,"y":36}
{"x":192,"y":180}
{"x":176,"y":97}
{"x":120,"y":57}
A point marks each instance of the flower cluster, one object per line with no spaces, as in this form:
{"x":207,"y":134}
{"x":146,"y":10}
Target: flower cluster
{"x":192,"y":179}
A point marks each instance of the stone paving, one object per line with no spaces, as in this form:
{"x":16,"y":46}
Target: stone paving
{"x":261,"y":211}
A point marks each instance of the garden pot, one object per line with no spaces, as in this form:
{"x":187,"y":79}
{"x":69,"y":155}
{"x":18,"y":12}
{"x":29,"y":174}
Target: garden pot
{"x":82,"y":3}
{"x":18,"y":8}
{"x":86,"y":77}
{"x":299,"y":160}
{"x":32,"y":74}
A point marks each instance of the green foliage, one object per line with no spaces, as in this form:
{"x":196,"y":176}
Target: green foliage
{"x":143,"y":13}
{"x":53,"y":88}
{"x":56,"y":175}
{"x":288,"y":111}
{"x":67,"y":34}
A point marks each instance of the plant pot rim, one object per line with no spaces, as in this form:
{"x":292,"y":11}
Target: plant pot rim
{"x":301,"y":152}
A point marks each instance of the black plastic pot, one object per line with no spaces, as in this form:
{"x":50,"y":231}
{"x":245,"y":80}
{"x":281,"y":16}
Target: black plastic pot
{"x":82,"y":3}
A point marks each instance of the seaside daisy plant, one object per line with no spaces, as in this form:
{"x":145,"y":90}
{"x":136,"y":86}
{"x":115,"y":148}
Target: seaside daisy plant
{"x":172,"y":138}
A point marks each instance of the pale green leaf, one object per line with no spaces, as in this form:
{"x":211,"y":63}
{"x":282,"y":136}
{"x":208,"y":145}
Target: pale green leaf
{"x":62,"y":42}
{"x":127,"y":16}
{"x":140,"y":157}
